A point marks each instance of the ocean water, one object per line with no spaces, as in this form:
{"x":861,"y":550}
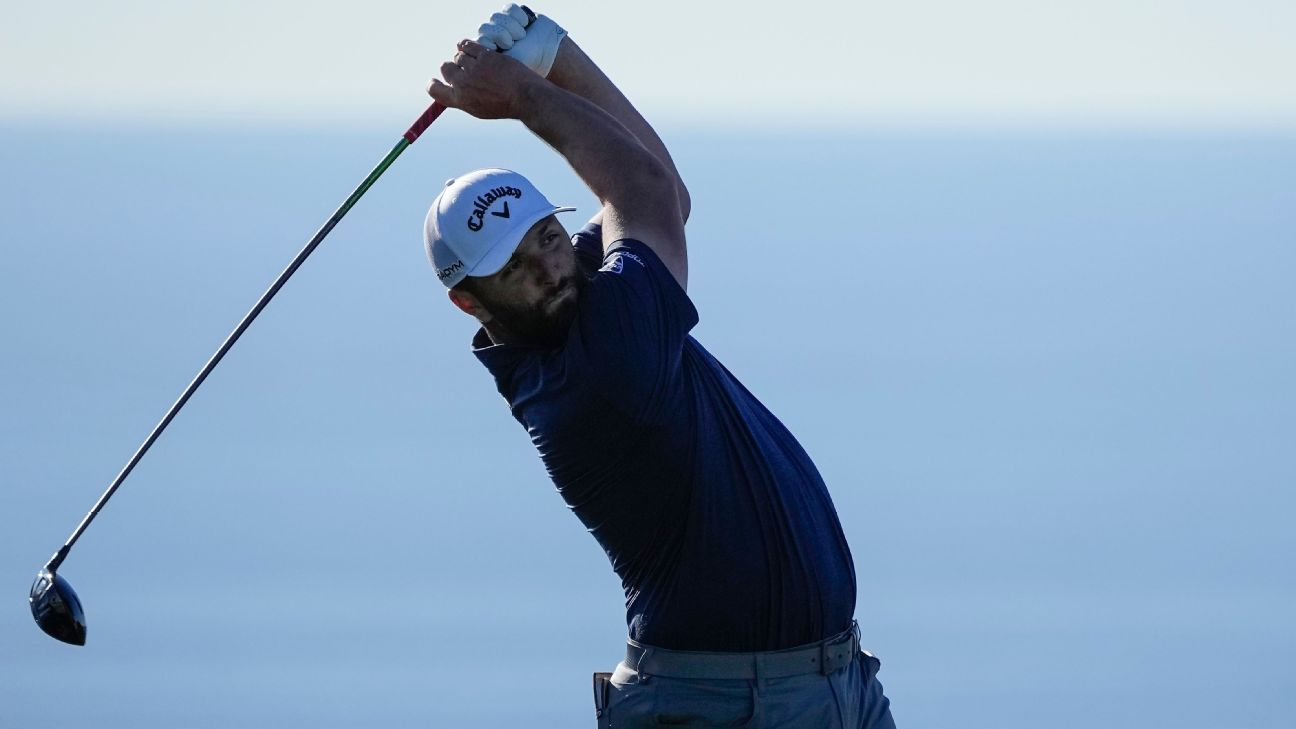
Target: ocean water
{"x":1048,"y":377}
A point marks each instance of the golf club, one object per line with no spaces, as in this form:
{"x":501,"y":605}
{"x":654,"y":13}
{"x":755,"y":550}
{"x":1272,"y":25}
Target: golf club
{"x":54,"y":604}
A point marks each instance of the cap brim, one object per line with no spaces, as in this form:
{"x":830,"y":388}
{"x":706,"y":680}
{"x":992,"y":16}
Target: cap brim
{"x":495,"y":259}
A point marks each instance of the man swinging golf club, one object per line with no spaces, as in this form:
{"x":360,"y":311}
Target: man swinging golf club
{"x":739,"y":584}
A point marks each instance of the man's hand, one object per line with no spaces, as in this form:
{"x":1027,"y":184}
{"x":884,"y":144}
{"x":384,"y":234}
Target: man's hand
{"x":582,"y":115}
{"x":535,"y":45}
{"x":485,"y":84}
{"x":504,"y":28}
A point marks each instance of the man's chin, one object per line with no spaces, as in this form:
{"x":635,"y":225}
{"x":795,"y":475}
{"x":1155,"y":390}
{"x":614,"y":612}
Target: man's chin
{"x":563,"y":303}
{"x":563,"y":314}
{"x":548,"y":324}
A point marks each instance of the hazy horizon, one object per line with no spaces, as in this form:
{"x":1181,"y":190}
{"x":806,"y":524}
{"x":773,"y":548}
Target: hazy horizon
{"x":1101,"y":63}
{"x":1047,"y":379}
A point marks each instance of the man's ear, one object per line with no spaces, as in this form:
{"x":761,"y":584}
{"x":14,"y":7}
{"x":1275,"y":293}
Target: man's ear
{"x":468,"y":304}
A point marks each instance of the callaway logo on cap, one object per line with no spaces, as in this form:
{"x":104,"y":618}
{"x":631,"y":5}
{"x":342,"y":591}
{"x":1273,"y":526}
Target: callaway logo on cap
{"x":478,"y":220}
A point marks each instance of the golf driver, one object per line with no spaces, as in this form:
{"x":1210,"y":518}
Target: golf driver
{"x":54,"y":604}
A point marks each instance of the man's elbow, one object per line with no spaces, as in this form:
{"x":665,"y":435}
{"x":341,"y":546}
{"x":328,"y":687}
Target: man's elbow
{"x":685,"y":202}
{"x":667,"y":191}
{"x":653,"y":186}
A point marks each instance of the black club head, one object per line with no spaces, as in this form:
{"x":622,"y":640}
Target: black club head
{"x":57,"y":609}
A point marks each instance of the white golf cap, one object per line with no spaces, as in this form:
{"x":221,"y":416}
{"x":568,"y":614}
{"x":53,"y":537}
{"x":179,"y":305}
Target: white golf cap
{"x":478,"y":220}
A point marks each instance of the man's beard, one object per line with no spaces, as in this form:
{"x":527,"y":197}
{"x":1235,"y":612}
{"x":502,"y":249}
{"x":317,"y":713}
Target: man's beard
{"x":543,"y":324}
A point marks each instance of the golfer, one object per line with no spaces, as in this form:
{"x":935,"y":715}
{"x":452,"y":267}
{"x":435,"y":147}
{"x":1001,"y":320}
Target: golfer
{"x":739,"y":584}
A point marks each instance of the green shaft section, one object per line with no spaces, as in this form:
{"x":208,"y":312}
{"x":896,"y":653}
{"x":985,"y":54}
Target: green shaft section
{"x":372,"y":178}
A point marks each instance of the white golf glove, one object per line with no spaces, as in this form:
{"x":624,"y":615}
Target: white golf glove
{"x":535,"y":45}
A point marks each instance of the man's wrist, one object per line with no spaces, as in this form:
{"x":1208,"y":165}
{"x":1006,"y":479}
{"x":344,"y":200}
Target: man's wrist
{"x":531,"y":98}
{"x":564,"y":59}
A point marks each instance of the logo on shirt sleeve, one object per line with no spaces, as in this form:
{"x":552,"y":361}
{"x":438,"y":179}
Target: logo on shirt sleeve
{"x":617,"y":264}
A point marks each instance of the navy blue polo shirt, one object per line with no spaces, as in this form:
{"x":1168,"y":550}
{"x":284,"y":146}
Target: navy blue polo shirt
{"x":717,"y":522}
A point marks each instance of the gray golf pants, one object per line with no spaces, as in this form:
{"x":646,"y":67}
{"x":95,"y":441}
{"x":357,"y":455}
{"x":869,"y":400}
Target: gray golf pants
{"x":849,"y":697}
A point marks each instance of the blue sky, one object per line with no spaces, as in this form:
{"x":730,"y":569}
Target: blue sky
{"x":816,"y":64}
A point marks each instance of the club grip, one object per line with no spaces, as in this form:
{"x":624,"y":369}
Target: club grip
{"x":424,"y":121}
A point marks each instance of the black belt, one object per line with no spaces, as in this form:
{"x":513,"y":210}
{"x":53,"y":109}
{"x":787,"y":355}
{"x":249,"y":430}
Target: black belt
{"x":824,"y":657}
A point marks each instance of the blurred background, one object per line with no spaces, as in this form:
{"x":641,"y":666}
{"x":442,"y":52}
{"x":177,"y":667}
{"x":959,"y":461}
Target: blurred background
{"x":1018,"y":275}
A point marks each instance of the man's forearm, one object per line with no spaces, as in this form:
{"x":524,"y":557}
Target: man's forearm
{"x":576,"y":72}
{"x":612,"y":162}
{"x":640,"y":194}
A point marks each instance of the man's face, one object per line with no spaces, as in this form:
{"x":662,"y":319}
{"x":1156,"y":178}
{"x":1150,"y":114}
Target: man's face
{"x":533,"y":299}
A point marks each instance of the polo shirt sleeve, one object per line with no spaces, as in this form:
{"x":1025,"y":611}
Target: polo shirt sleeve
{"x":588,"y":242}
{"x":633,"y":325}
